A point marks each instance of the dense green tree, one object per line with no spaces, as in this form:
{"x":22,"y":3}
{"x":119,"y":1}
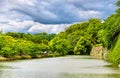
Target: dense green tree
{"x":77,"y":36}
{"x":114,"y":55}
{"x":94,"y":26}
{"x":111,"y":35}
{"x":118,"y":3}
{"x":74,"y":32}
{"x":83,"y":46}
{"x":1,"y":42}
{"x":111,"y":31}
{"x":20,"y":44}
{"x":8,"y":48}
{"x":61,"y":46}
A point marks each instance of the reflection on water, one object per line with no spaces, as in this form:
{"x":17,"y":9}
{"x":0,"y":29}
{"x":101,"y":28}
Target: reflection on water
{"x":60,"y":67}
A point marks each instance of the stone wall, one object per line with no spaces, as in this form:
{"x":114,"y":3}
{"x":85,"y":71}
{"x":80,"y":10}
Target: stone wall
{"x":99,"y":52}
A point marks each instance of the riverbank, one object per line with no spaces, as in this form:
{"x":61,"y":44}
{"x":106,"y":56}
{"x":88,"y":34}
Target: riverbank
{"x":27,"y":57}
{"x":24,"y":57}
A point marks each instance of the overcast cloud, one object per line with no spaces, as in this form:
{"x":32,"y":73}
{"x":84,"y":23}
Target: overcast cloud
{"x":51,"y":16}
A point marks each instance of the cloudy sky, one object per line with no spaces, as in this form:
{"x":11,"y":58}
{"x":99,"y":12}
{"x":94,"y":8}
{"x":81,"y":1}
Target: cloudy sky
{"x":51,"y":16}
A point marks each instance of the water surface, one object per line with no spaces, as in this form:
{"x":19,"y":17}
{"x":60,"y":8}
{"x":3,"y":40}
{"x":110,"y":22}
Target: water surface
{"x":60,"y":67}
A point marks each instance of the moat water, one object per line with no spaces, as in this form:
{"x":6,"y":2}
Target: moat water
{"x":59,"y":67}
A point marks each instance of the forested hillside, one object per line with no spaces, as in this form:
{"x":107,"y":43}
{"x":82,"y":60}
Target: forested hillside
{"x":78,"y":38}
{"x":112,"y":35}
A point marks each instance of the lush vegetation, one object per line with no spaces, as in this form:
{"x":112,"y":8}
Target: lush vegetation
{"x":76,"y":39}
{"x":111,"y":35}
{"x":20,"y":45}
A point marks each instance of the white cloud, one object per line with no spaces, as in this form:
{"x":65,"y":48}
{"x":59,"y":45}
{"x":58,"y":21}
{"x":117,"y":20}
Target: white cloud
{"x":59,"y":11}
{"x":90,"y":14}
{"x":30,"y":26}
{"x":51,"y":16}
{"x":51,"y":28}
{"x":26,"y":2}
{"x":15,"y":26}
